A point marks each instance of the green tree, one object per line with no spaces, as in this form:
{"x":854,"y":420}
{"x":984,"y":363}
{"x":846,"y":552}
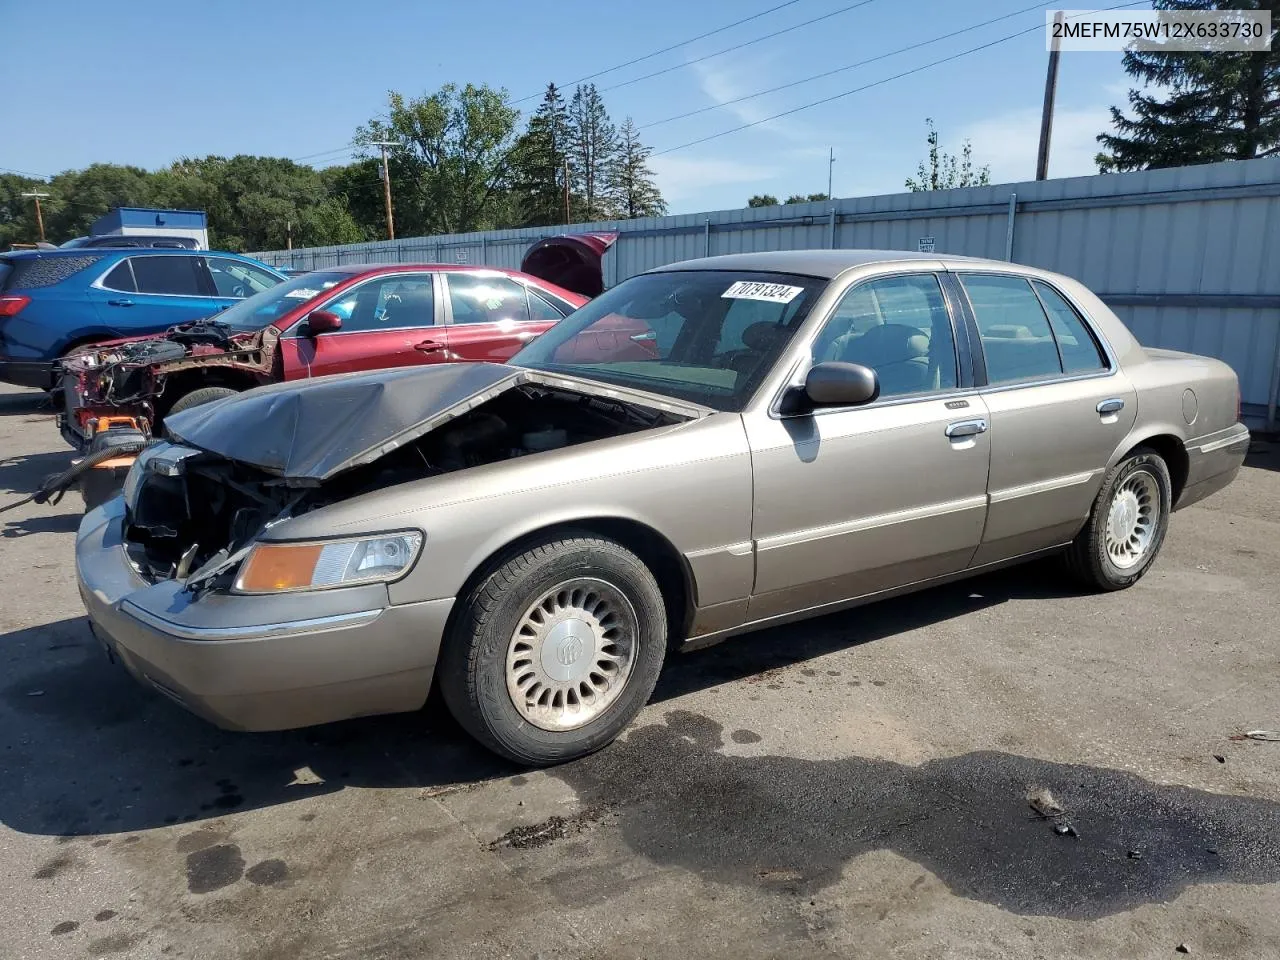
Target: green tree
{"x":593,"y":153}
{"x":1209,"y":106}
{"x":802,"y":198}
{"x":635,"y":192}
{"x":538,"y":165}
{"x":451,"y":173}
{"x":946,"y":171}
{"x":18,"y":213}
{"x":358,"y":188}
{"x":762,"y":200}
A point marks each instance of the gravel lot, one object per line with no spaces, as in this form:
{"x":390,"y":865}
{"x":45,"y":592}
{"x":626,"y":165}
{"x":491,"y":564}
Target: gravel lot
{"x":855,"y":786}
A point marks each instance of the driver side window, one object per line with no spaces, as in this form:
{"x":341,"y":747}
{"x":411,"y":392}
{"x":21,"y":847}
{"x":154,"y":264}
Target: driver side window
{"x":390,"y":303}
{"x":900,"y":328}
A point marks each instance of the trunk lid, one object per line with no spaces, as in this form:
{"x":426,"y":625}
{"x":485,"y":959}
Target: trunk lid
{"x":571,"y":261}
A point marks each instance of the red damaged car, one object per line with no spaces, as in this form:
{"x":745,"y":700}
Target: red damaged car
{"x":334,"y":320}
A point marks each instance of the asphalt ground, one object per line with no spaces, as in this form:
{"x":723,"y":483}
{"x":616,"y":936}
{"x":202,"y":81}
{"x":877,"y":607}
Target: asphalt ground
{"x":855,"y":786}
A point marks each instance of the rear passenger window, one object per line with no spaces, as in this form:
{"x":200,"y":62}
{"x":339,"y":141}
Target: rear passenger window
{"x":1016,"y":339}
{"x":171,"y":275}
{"x":485,"y":298}
{"x":120,"y":278}
{"x":1080,"y":353}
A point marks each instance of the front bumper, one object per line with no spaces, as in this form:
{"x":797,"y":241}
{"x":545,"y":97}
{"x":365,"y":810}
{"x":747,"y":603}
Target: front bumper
{"x":1213,"y":462}
{"x":263,"y":662}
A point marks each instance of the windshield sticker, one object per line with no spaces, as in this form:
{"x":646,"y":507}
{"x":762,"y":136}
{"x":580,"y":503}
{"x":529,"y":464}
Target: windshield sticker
{"x":306,"y":293}
{"x":754,"y":290}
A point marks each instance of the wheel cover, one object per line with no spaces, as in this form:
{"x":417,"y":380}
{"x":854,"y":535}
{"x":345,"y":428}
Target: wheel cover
{"x":1132,"y":519}
{"x":572,"y":654}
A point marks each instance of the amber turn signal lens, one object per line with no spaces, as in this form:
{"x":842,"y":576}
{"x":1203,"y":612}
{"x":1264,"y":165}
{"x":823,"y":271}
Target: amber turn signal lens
{"x":272,"y":567}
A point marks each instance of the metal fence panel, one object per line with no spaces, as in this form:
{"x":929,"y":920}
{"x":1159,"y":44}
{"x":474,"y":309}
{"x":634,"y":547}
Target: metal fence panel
{"x":1188,"y":257}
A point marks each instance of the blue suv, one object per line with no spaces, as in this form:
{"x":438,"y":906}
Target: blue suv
{"x":54,"y":300}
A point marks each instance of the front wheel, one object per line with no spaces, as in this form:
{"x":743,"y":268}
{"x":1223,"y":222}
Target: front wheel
{"x":1127,"y":524}
{"x":556,"y":651}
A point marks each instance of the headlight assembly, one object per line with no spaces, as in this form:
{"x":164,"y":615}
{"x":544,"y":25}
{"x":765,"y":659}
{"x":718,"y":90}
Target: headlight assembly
{"x":286,"y":567}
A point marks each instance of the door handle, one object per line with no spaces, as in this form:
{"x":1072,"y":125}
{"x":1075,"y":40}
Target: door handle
{"x":1114,"y":405}
{"x":121,"y":302}
{"x":428,"y":346}
{"x":966,"y":428}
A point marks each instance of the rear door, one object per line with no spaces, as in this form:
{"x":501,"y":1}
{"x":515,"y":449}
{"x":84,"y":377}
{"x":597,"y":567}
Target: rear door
{"x":387,"y":321}
{"x":1059,"y":406}
{"x":148,"y":293}
{"x":490,"y":315}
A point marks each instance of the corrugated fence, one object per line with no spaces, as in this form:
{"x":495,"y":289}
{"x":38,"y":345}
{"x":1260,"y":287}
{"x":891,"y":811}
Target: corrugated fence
{"x":1188,"y":257}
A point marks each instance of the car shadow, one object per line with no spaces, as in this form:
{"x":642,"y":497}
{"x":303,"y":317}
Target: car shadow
{"x":91,"y":751}
{"x":23,"y":474}
{"x":56,"y":523}
{"x":1264,"y":455}
{"x":27,"y":402}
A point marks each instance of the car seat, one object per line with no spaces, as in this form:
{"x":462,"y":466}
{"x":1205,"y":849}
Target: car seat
{"x":899,"y":355}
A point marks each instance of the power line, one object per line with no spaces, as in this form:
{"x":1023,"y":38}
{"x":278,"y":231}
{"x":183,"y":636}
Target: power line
{"x":868,"y":86}
{"x":27,"y":173}
{"x":851,"y":66}
{"x":738,"y":46}
{"x":348,"y":148}
{"x":674,"y":46}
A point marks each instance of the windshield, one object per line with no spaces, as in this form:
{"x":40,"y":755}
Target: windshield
{"x":262,"y":308}
{"x":77,"y":242}
{"x":706,"y":336}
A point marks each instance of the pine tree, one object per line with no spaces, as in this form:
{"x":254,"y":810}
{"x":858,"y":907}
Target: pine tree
{"x":1213,"y":106}
{"x":539,"y":162}
{"x":634,"y":192}
{"x":593,"y":153}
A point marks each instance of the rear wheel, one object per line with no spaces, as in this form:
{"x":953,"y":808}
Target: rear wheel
{"x":555,"y":652}
{"x":1127,"y":525}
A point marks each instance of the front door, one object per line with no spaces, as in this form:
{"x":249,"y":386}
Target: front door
{"x":853,"y":501}
{"x":489,"y":316}
{"x":389,"y":321}
{"x":1059,"y":408}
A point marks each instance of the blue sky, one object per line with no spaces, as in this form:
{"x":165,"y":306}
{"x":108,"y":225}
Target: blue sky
{"x":145,"y":82}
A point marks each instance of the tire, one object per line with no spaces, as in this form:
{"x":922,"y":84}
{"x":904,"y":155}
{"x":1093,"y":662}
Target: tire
{"x":1106,"y":562}
{"x":512,"y":633}
{"x":197,"y":397}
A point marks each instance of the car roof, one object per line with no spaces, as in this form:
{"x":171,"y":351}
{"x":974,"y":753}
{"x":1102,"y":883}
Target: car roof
{"x":121,"y":251}
{"x":825,"y":264}
{"x":356,"y":268}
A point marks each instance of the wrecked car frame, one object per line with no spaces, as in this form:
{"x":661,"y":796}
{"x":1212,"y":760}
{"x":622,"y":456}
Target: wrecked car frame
{"x":809,"y":431}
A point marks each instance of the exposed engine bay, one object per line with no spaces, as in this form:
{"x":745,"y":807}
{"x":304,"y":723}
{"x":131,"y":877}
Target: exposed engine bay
{"x":192,"y":514}
{"x":131,"y":377}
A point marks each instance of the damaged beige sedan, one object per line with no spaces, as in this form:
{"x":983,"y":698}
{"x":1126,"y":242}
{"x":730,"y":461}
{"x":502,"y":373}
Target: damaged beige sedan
{"x":705,"y":449}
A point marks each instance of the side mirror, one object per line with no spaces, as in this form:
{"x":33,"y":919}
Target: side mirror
{"x":323,"y":321}
{"x":833,"y":383}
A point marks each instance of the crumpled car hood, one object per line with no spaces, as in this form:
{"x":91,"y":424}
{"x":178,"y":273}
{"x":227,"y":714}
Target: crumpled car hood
{"x":313,"y":429}
{"x":310,"y":430}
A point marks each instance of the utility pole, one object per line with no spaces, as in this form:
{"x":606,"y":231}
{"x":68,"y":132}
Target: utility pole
{"x":386,"y":183}
{"x":1050,"y":92}
{"x":831,"y":162}
{"x":288,"y":234}
{"x":566,"y":191}
{"x":37,"y":197}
